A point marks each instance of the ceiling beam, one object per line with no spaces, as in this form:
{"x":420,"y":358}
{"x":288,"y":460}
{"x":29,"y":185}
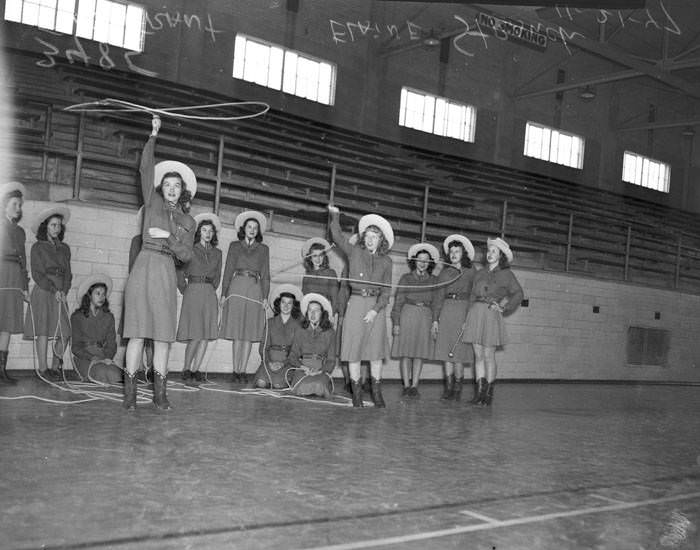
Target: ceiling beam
{"x":605,"y":78}
{"x":660,"y":125}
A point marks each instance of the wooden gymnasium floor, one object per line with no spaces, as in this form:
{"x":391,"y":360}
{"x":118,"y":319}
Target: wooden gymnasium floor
{"x":548,"y":466}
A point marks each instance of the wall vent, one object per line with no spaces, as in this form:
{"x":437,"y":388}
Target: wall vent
{"x":648,"y":346}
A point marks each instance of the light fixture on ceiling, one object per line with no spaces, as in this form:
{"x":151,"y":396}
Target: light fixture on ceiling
{"x":431,"y":39}
{"x":587,"y":93}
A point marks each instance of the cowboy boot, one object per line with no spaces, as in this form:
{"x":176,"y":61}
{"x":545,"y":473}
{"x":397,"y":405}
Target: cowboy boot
{"x":488,"y":395}
{"x":377,"y":393}
{"x":449,"y":387}
{"x":160,"y":399}
{"x":356,"y":393}
{"x":457,"y":394}
{"x":4,"y":377}
{"x":129,"y":402}
{"x":479,"y":391}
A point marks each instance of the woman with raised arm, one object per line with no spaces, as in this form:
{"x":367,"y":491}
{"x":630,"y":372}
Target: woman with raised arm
{"x":412,"y":316}
{"x":48,"y":316}
{"x":495,"y":293}
{"x":244,"y":290}
{"x":450,"y":311}
{"x":14,"y":279}
{"x":151,"y":290}
{"x":364,"y":326}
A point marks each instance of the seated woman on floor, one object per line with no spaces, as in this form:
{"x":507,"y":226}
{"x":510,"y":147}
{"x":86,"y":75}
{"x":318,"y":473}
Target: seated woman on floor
{"x":312,"y":357}
{"x":94,"y":337}
{"x":278,"y":338}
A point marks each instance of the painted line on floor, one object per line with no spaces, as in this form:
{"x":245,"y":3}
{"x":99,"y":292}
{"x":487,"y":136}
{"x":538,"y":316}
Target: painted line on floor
{"x":478,"y":516}
{"x":608,"y":499}
{"x":505,"y":523}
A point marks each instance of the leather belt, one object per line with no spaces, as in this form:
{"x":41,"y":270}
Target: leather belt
{"x":56,"y":271}
{"x":418,"y":304}
{"x":246,"y":273}
{"x":199,"y":279}
{"x":456,"y":296}
{"x":314,"y":356}
{"x":157,"y":248}
{"x":279,"y":348}
{"x":365,"y":292}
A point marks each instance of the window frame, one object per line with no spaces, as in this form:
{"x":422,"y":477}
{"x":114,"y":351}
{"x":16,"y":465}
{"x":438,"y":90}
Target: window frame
{"x":283,"y":71}
{"x":642,"y":167}
{"x":436,"y":115}
{"x":553,"y":146}
{"x":77,"y":17}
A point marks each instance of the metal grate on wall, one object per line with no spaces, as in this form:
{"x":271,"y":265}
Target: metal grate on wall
{"x":648,"y":346}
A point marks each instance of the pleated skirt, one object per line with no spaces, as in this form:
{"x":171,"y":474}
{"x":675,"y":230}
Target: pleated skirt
{"x":50,"y":318}
{"x":363,"y":341}
{"x":243,"y":316}
{"x":414,"y":339}
{"x":11,"y":301}
{"x":485,"y":326}
{"x":150,"y":298}
{"x":452,"y":317}
{"x":199,"y":314}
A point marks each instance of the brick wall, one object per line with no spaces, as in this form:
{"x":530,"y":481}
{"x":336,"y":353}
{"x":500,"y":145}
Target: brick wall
{"x":557,"y":336}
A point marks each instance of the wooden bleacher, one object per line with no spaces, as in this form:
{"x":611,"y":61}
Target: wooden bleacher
{"x":282,"y":163}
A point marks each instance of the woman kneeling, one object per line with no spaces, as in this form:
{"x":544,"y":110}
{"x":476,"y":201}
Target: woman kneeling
{"x":312,"y":357}
{"x":94,"y":338}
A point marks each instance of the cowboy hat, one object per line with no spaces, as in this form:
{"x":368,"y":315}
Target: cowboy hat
{"x":466,"y":243}
{"x":181,"y":168}
{"x":381,"y":223}
{"x":251,"y":214}
{"x":315,"y":297}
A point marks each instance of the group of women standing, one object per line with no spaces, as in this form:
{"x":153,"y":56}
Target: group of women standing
{"x":455,"y":317}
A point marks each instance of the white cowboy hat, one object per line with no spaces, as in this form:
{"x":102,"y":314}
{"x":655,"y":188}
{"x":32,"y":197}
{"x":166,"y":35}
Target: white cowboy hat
{"x":306,"y":247}
{"x":181,"y":168}
{"x":423,"y":247}
{"x":211,"y":217}
{"x":315,"y":297}
{"x":91,"y":280}
{"x":502,"y":246}
{"x":381,"y":223}
{"x":247,"y":215}
{"x":286,"y":288}
{"x":56,"y":210}
{"x":11,"y":186}
{"x":466,"y":243}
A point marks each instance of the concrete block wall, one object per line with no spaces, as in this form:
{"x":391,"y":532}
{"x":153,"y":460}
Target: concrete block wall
{"x":557,"y":336}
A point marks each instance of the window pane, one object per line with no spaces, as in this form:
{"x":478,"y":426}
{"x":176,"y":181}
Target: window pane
{"x":554,"y":146}
{"x":64,"y":16}
{"x":133,"y":35}
{"x":646,"y":172}
{"x":13,"y":10}
{"x":86,"y":18}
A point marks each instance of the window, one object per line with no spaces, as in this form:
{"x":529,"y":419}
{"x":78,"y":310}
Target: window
{"x":282,"y":69}
{"x":437,"y":115}
{"x":553,"y":145}
{"x":646,"y":172}
{"x":117,"y":23}
{"x":55,"y":15}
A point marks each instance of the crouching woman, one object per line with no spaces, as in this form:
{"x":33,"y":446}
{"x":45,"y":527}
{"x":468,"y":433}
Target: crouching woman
{"x":312,"y":357}
{"x":94,"y":336}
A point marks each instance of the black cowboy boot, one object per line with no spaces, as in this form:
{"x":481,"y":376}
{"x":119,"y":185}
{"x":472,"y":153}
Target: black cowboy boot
{"x":377,"y":393}
{"x":488,"y":395}
{"x":449,"y":387}
{"x":457,"y":394}
{"x":356,"y":393}
{"x":479,"y":391}
{"x":4,"y":377}
{"x":129,"y":402}
{"x":159,"y":398}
